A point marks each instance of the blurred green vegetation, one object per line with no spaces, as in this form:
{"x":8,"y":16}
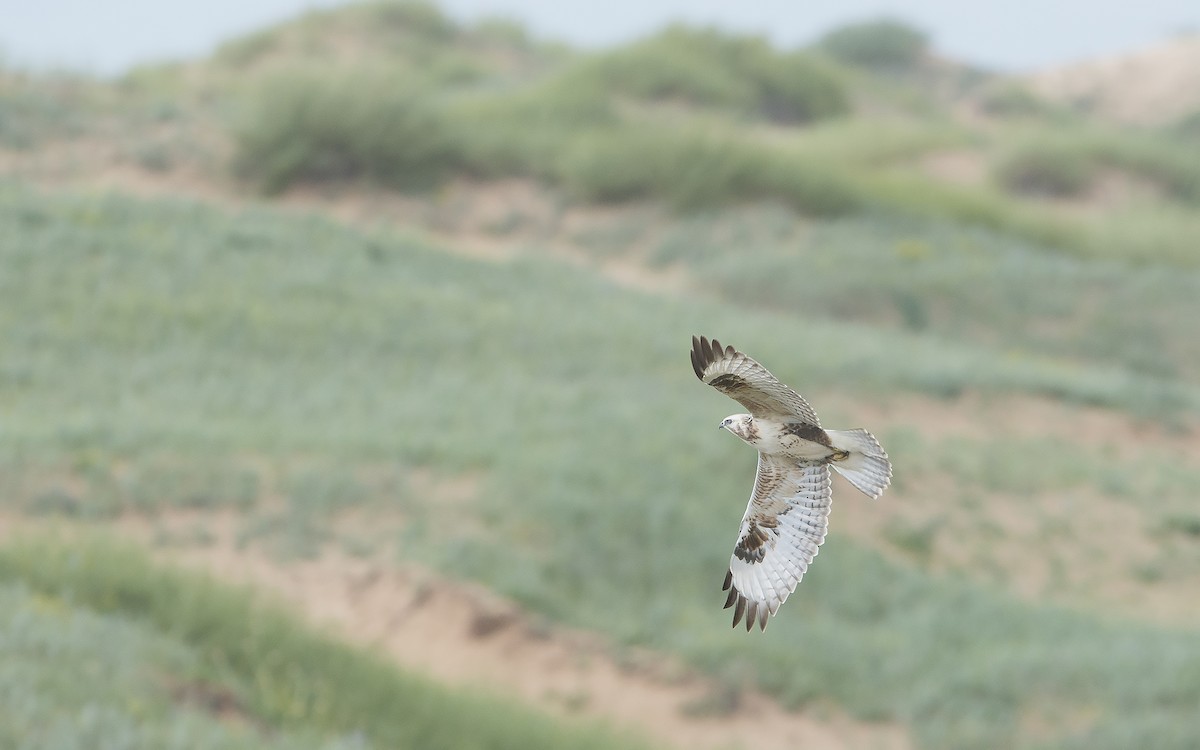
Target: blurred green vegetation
{"x":959,"y":283}
{"x":697,"y":170}
{"x":411,"y":37}
{"x":711,"y":69}
{"x":406,"y":98}
{"x":695,"y":118}
{"x":1188,"y":126}
{"x":71,"y":677}
{"x":1008,"y":99}
{"x":38,"y":108}
{"x":1067,"y":163}
{"x":303,"y":356}
{"x":101,"y":648}
{"x":883,"y":44}
{"x":1039,"y":170}
{"x":326,"y":125}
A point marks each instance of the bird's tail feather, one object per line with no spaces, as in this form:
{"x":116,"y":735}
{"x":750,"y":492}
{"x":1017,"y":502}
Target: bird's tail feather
{"x":866,"y":464}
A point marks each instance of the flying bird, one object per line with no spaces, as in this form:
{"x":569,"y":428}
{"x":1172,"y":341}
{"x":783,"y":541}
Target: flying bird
{"x":788,"y":514}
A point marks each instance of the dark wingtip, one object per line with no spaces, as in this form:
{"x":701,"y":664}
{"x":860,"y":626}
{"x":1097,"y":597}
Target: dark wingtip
{"x":697,"y":362}
{"x":705,"y":352}
{"x":729,"y":600}
{"x":753,"y":612}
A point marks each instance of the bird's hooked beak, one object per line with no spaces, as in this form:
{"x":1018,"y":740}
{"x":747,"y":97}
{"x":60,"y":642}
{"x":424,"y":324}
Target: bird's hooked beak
{"x":723,"y":425}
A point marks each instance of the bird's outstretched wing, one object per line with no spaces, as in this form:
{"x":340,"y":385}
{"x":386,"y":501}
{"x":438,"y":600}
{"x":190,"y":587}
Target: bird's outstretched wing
{"x":784,"y":525}
{"x":747,"y":382}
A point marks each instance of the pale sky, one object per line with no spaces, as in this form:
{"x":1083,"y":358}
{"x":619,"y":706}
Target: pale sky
{"x":108,"y":36}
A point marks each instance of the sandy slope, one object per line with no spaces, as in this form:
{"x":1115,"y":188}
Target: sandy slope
{"x":465,"y":635}
{"x":1153,"y":86}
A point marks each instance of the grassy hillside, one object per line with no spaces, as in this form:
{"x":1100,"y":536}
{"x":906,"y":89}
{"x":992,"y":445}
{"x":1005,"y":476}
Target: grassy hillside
{"x":1004,"y":290}
{"x":167,"y":354}
{"x":101,"y":648}
{"x":959,"y":283}
{"x":698,"y":118}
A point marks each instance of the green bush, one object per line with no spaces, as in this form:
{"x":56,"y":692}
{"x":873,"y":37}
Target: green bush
{"x":695,"y":170}
{"x":35,"y":110}
{"x":1065,"y":164}
{"x":1188,"y":126}
{"x":247,"y":50}
{"x":413,"y":37}
{"x":1047,"y":171}
{"x":679,"y":63}
{"x":707,"y":68}
{"x":405,"y":29}
{"x":524,"y":133}
{"x":798,"y":87}
{"x":1012,"y":100}
{"x":904,"y":194}
{"x":415,"y":17}
{"x":320,"y":125}
{"x":881,"y":44}
{"x":1172,"y":166}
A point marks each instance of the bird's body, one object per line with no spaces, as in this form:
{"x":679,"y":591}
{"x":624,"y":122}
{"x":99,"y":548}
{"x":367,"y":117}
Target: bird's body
{"x":788,"y":515}
{"x":790,"y":438}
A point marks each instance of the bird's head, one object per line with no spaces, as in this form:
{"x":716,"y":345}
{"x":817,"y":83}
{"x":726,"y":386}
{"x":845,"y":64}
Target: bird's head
{"x":741,"y":425}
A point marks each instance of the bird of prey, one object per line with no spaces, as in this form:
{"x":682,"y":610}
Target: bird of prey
{"x":788,"y":513}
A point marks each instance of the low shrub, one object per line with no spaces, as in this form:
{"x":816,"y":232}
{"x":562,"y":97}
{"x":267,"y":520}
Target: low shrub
{"x":1066,"y":164}
{"x":708,"y":68}
{"x":1012,"y":100}
{"x":881,"y":44}
{"x":524,"y":133}
{"x":1047,"y":171}
{"x":1187,"y":126}
{"x":320,"y":125}
{"x":698,"y":170}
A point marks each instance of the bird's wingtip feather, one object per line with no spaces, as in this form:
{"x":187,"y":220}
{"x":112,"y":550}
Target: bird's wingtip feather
{"x":752,"y":612}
